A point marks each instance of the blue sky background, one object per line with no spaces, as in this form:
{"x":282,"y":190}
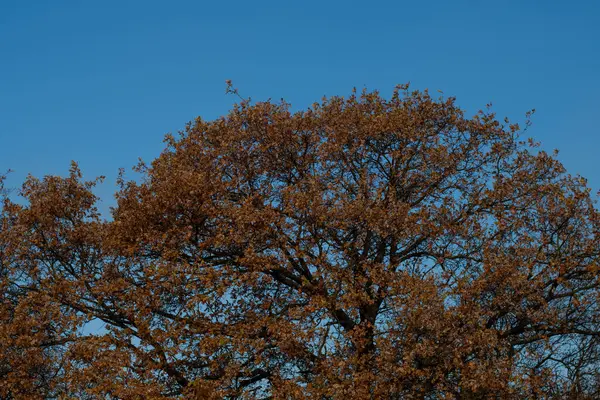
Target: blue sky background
{"x":102,"y":82}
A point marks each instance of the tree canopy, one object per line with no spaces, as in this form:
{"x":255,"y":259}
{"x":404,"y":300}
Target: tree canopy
{"x":365,"y":248}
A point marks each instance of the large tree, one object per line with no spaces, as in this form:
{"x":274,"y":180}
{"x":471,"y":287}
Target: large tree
{"x":368,"y":248}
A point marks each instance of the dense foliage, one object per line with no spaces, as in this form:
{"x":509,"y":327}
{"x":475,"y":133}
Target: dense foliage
{"x":366,"y":248}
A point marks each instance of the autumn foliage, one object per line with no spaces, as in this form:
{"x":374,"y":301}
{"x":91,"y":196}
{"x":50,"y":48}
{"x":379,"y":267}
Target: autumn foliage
{"x":366,"y":248}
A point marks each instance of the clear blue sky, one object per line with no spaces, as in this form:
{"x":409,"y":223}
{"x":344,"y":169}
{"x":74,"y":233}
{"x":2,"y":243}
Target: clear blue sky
{"x":101,"y":82}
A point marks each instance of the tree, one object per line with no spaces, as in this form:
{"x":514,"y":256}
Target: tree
{"x":365,"y":248}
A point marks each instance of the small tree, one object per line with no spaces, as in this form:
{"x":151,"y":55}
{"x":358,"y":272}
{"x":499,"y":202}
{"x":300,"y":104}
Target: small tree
{"x":365,"y":248}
